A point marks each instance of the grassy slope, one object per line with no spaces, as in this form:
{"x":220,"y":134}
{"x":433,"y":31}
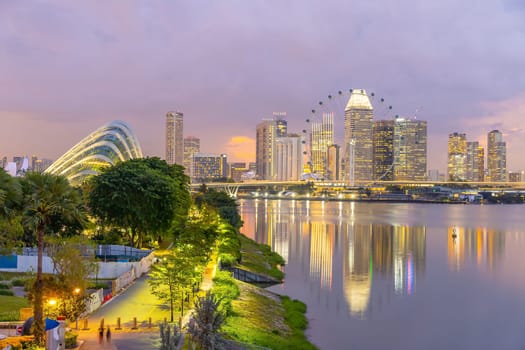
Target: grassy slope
{"x":260,"y":259}
{"x":265,"y":319}
{"x":10,"y":307}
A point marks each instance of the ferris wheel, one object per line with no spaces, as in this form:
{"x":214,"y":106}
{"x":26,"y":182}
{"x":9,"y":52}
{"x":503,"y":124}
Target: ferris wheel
{"x":325,"y":130}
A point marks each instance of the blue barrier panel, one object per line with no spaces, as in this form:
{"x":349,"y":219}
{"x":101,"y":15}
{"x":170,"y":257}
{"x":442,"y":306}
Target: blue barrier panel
{"x":8,"y":261}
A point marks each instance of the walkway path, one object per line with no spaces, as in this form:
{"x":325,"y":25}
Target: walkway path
{"x":137,"y":301}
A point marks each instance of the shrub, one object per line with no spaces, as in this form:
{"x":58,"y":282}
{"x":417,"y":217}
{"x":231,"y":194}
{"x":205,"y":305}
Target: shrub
{"x":6,"y":292}
{"x":227,"y":260}
{"x":18,"y":282}
{"x":9,"y":316}
{"x":225,"y":289}
{"x":4,"y":286}
{"x":71,"y":340}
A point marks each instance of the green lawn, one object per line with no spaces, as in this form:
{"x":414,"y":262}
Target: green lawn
{"x":10,"y":307}
{"x":265,"y":319}
{"x":259,"y":258}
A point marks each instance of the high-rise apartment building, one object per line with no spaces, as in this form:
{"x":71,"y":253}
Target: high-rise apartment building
{"x":209,"y":167}
{"x":496,"y":157}
{"x":267,"y":132}
{"x":288,"y":160}
{"x":457,"y":157}
{"x":192,"y":145}
{"x":358,"y":137}
{"x":174,"y":138}
{"x":383,"y":149}
{"x":475,"y":167}
{"x":410,"y":149}
{"x":322,"y":137}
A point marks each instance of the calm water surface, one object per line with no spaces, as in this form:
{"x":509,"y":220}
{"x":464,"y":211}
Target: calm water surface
{"x":400,"y":276}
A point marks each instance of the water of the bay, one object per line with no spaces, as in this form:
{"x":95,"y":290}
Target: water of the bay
{"x":400,"y":275}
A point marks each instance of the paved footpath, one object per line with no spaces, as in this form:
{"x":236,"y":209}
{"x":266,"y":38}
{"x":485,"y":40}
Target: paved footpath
{"x":137,"y":301}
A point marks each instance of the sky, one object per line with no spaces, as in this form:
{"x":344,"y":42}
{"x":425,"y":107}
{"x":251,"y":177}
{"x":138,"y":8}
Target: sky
{"x":68,"y":67}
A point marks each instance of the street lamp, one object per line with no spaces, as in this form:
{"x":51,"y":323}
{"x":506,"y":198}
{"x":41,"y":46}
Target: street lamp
{"x":76,"y":292}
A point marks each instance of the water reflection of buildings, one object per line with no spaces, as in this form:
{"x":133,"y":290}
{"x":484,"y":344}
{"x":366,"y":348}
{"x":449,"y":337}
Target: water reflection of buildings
{"x":336,"y":255}
{"x":482,"y":245}
{"x":393,"y":252}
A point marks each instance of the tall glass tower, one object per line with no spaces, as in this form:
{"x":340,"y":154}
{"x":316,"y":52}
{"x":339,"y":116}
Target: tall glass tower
{"x":174,"y":138}
{"x":358,"y":137}
{"x":322,"y":138}
{"x":457,"y":157}
{"x":496,"y":157}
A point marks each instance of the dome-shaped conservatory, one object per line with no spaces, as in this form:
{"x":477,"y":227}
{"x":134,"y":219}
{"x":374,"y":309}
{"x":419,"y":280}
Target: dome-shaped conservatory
{"x":108,"y":145}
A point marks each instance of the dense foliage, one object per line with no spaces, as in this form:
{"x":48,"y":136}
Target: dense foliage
{"x":225,"y":205}
{"x":143,"y":197}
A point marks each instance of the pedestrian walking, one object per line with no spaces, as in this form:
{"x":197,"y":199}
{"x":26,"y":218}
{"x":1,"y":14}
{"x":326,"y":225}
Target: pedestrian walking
{"x":100,"y":335}
{"x":108,"y":335}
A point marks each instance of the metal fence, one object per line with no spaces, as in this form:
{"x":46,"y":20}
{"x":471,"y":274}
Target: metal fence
{"x":102,"y":251}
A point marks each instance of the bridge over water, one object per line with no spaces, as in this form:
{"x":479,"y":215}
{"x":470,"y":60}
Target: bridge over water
{"x":233,"y":188}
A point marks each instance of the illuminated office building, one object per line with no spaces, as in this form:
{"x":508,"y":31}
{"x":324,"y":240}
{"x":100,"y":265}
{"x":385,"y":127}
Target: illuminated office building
{"x":192,"y":145}
{"x":267,"y":132}
{"x":457,"y":157}
{"x":358,"y":137}
{"x":410,"y":150}
{"x":209,"y":167}
{"x":174,"y":138}
{"x":475,"y":166}
{"x":496,"y":157}
{"x":383,"y":149}
{"x":322,"y":137}
{"x":334,"y":163}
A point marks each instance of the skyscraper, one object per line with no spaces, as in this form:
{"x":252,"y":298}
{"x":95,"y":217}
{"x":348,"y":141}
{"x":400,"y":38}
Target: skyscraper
{"x":496,"y":157}
{"x":358,"y":137}
{"x":174,"y":138}
{"x":410,"y":149}
{"x":383,"y":149}
{"x":475,"y":162}
{"x":322,"y":138}
{"x":334,"y":163}
{"x":267,"y":132}
{"x":457,"y":157}
{"x":288,"y":160}
{"x":192,"y":145}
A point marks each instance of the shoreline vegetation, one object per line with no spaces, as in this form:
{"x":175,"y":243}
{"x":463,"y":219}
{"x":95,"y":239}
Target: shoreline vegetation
{"x":257,"y":317}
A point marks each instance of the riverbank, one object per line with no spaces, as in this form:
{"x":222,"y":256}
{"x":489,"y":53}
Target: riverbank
{"x":257,"y":317}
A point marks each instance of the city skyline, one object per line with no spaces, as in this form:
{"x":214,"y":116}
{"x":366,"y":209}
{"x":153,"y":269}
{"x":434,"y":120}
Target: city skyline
{"x":69,"y":67}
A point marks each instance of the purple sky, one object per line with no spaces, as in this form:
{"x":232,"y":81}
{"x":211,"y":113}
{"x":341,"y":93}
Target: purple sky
{"x":68,"y":67}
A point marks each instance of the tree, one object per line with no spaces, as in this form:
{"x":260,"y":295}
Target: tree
{"x":10,"y":221}
{"x":206,"y":321}
{"x":73,"y":261}
{"x":172,"y":277}
{"x":47,"y":198}
{"x":225,"y":205}
{"x":144,"y":197}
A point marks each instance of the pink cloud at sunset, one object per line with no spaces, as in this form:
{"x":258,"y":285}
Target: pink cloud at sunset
{"x":241,"y":149}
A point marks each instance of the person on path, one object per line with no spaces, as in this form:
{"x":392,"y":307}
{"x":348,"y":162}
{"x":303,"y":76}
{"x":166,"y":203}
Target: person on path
{"x":108,"y":336}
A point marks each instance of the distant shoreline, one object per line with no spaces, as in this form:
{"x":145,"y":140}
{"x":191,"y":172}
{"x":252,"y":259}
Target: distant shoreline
{"x":380,"y":200}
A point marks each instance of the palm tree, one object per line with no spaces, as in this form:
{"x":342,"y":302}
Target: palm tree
{"x":48,"y":198}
